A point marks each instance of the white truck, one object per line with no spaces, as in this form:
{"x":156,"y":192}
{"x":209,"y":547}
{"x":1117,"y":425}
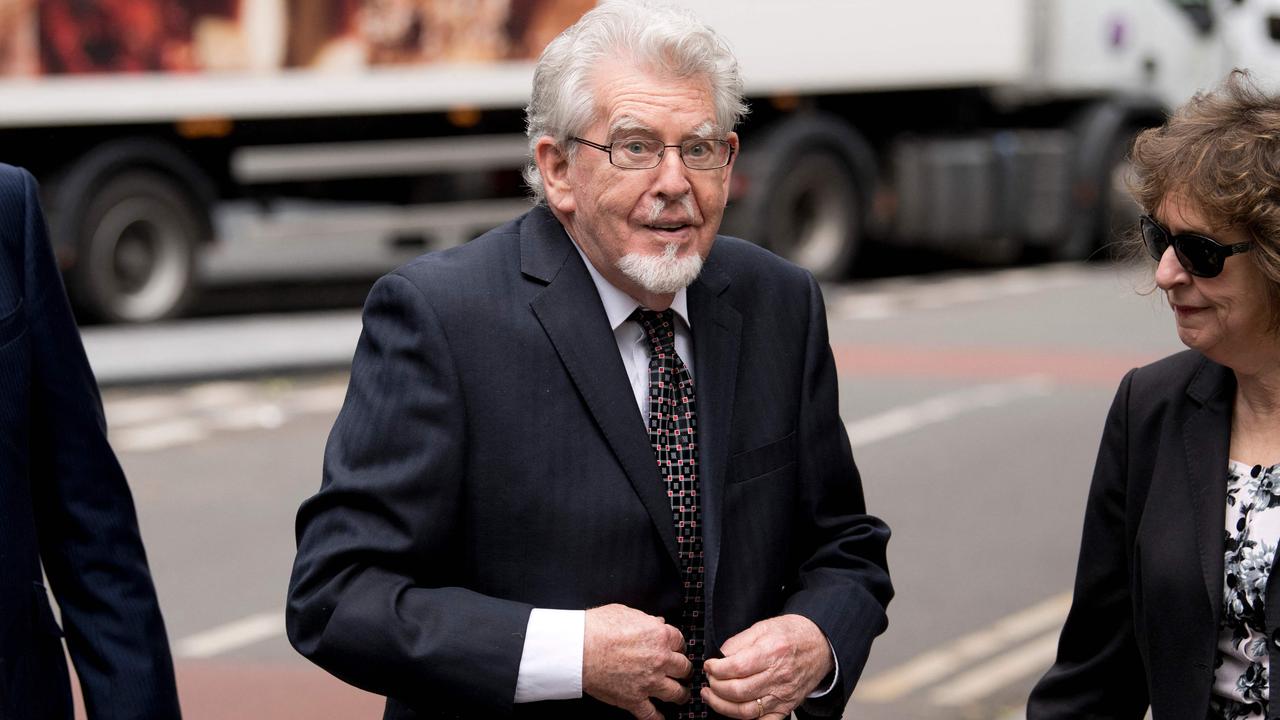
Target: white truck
{"x":195,"y":142}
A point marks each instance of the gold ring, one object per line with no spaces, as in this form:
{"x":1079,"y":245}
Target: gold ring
{"x":760,"y":705}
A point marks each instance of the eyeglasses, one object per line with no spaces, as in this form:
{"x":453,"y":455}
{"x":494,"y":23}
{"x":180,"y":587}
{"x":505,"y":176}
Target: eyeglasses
{"x":644,"y":153}
{"x":1199,"y":255}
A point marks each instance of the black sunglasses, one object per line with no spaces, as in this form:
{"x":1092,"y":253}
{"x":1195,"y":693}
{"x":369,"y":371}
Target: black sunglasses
{"x":1199,"y":255}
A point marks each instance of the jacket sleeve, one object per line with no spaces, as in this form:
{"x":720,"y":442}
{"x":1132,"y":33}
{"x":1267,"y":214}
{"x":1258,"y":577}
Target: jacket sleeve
{"x":1099,"y":672}
{"x":85,"y":521}
{"x":374,"y":597}
{"x":843,"y":584}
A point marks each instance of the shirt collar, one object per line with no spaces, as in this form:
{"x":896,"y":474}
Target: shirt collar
{"x":618,"y":305}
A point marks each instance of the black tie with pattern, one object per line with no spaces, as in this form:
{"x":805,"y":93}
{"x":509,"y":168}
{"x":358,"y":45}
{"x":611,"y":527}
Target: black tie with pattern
{"x":673,"y":433}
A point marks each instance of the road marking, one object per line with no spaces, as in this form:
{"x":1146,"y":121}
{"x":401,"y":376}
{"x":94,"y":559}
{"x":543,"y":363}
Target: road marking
{"x":881,"y":299}
{"x":1033,"y":657}
{"x":232,"y":636}
{"x":319,"y":399}
{"x":123,"y":412}
{"x":948,"y":659}
{"x":252,"y":416}
{"x":158,"y":421}
{"x":158,"y":436}
{"x":969,"y":364}
{"x":944,"y":407}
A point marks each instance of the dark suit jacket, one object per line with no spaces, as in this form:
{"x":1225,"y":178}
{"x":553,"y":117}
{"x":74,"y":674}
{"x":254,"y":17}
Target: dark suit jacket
{"x":1143,"y":626}
{"x":64,"y":502}
{"x":490,"y":458}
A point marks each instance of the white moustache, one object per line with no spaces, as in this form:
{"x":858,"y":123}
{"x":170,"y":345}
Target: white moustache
{"x":685,"y":203}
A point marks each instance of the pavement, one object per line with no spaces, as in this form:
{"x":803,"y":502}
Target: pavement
{"x":277,"y":343}
{"x":205,"y":348}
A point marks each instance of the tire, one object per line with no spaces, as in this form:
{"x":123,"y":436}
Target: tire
{"x":1104,"y":132}
{"x":136,"y":240}
{"x":1113,"y":213}
{"x":1119,"y":212}
{"x":806,"y":198}
{"x":813,"y":216}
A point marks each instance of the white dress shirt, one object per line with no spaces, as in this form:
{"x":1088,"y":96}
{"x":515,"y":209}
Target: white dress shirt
{"x":551,"y":662}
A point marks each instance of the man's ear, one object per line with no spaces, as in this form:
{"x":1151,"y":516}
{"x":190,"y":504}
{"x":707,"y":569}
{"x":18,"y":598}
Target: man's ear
{"x":728,"y":171}
{"x":553,"y":165}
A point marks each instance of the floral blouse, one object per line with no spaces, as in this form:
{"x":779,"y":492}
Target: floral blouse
{"x":1253,"y":529}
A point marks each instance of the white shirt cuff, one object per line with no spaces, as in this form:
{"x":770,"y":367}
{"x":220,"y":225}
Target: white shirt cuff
{"x":835,"y":676}
{"x":551,"y":662}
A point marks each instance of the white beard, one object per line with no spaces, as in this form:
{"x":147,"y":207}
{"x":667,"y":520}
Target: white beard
{"x":661,"y":274}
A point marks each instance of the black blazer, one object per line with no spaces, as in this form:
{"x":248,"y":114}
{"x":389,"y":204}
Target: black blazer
{"x":490,"y":458}
{"x":64,"y":503}
{"x":1143,"y":626}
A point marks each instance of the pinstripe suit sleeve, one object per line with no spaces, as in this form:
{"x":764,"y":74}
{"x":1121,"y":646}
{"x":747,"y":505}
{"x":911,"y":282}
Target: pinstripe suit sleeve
{"x":363,"y":604}
{"x":88,"y":531}
{"x":844,"y":584}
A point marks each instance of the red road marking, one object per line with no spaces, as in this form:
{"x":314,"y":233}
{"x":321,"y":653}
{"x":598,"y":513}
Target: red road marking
{"x":1068,"y":366}
{"x":237,"y":690}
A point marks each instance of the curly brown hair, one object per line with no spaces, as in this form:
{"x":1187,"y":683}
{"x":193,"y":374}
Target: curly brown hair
{"x":1220,"y":151}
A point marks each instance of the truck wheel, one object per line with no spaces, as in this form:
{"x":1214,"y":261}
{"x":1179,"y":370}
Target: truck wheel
{"x":812,"y":215}
{"x":1105,"y":134}
{"x":1113,"y":214}
{"x":1119,"y":212}
{"x":137,"y":239}
{"x":807,"y":181}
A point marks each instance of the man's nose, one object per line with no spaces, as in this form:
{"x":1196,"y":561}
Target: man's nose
{"x":672,"y":176}
{"x":1169,"y":272}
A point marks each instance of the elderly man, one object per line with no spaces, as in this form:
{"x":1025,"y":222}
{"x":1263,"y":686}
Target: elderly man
{"x":599,"y":444}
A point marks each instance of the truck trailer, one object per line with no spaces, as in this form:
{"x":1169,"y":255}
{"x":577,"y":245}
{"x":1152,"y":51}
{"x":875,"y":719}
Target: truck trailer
{"x":188,"y":143}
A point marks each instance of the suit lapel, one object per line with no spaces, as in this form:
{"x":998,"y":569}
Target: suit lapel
{"x":573,"y":317}
{"x":1206,"y":439}
{"x":717,"y":334}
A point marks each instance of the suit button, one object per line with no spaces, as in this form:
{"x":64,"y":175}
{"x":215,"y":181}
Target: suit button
{"x":1275,"y":638}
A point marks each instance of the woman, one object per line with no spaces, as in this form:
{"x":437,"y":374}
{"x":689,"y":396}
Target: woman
{"x":1172,"y":606}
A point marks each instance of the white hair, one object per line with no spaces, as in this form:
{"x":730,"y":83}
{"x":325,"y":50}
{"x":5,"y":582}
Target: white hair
{"x":661,"y":274}
{"x":660,"y":38}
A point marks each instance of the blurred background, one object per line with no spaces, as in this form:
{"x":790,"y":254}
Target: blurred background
{"x":225,"y":178}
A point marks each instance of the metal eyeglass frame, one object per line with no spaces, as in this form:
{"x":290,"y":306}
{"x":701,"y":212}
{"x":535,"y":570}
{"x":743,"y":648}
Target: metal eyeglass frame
{"x":608,"y":149}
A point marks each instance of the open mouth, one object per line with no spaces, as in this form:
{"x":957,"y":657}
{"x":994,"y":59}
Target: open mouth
{"x":670,"y":228}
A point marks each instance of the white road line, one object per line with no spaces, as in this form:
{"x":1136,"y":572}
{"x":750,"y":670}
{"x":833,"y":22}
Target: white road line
{"x":319,"y":399}
{"x":1033,"y":657}
{"x":254,"y":416}
{"x":944,"y":407}
{"x":962,"y":652}
{"x":125,"y":412}
{"x":232,"y":636}
{"x":220,"y":393}
{"x":159,"y":436}
{"x":886,"y":298}
{"x":159,"y":421}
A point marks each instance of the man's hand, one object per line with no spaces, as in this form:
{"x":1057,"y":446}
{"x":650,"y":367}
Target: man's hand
{"x":629,"y":657}
{"x":778,"y":661}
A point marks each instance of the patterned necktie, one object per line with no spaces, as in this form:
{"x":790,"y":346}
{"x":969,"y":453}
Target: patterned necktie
{"x":673,"y":433}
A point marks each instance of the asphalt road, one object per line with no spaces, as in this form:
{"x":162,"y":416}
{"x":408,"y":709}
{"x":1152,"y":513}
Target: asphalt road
{"x":974,"y":402}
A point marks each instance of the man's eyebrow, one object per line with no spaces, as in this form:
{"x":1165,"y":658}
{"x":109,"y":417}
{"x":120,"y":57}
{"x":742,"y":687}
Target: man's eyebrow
{"x":708,"y":129}
{"x":628,"y":124}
